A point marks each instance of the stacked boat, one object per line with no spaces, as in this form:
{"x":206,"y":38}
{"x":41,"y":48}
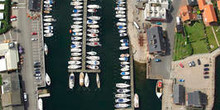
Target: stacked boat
{"x":92,"y":60}
{"x":48,"y":4}
{"x":122,"y":98}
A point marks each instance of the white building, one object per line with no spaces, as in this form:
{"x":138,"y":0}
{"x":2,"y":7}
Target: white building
{"x":2,"y":6}
{"x":1,"y":16}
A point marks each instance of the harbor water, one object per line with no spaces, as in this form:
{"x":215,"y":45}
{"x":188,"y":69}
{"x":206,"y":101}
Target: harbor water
{"x":92,"y":98}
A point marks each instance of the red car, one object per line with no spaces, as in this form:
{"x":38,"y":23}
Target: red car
{"x":34,"y":33}
{"x":181,"y":65}
{"x":13,"y":17}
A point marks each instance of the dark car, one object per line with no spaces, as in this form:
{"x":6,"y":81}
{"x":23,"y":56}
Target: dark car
{"x":198,"y":61}
{"x":206,"y":77}
{"x":206,"y":69}
{"x":206,"y":65}
{"x":206,"y":72}
{"x":37,"y":72}
{"x":36,"y":69}
{"x":193,"y":63}
{"x":36,"y":66}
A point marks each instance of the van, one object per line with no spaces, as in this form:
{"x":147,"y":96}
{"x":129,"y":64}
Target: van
{"x":25,"y":97}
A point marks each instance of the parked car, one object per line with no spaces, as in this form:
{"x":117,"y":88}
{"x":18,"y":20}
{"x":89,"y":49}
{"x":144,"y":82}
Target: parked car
{"x":157,"y":60}
{"x":37,"y":75}
{"x":206,"y":72}
{"x":206,"y":65}
{"x":34,"y":39}
{"x":181,"y":80}
{"x":193,"y":63}
{"x":158,"y":23}
{"x":13,"y":19}
{"x":25,"y":97}
{"x":198,"y":61}
{"x":190,"y":64}
{"x":206,"y":77}
{"x":206,"y":69}
{"x":34,"y":33}
{"x":37,"y":72}
{"x":181,"y":65}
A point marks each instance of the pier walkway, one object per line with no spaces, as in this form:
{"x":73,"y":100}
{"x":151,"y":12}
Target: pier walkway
{"x":84,"y":44}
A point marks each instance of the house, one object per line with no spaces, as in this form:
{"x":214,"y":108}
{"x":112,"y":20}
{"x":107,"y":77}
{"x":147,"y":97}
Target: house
{"x":196,"y":99}
{"x":201,"y":4}
{"x":218,"y":4}
{"x":156,"y":42}
{"x":34,"y":5}
{"x":2,"y":6}
{"x":192,"y":2}
{"x":186,"y":13}
{"x":209,"y":15}
{"x":178,"y":94}
{"x":1,"y":16}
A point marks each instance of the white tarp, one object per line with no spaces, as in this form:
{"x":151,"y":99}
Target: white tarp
{"x":2,"y":6}
{"x":3,"y":66}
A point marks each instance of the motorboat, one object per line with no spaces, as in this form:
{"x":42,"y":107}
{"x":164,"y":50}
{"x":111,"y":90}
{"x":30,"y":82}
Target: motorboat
{"x":77,"y":30}
{"x":76,"y":50}
{"x":125,"y":73}
{"x":123,"y":91}
{"x":93,"y":44}
{"x":125,"y":66}
{"x":93,"y":26}
{"x":93,"y":62}
{"x":120,"y":5}
{"x":74,"y":62}
{"x":91,"y":53}
{"x":136,"y":101}
{"x":48,"y":27}
{"x":121,"y":24}
{"x":120,"y":12}
{"x":94,"y":17}
{"x":48,"y":16}
{"x":92,"y":10}
{"x":93,"y":30}
{"x":125,"y":63}
{"x":93,"y":39}
{"x":77,"y":43}
{"x":76,"y":10}
{"x":86,"y":80}
{"x":122,"y":31}
{"x":93,"y":6}
{"x":76,"y":54}
{"x":45,"y":49}
{"x":120,"y":16}
{"x":93,"y":67}
{"x":76,"y":38}
{"x":122,"y":85}
{"x":48,"y":31}
{"x":76,"y":26}
{"x":75,"y":58}
{"x":122,"y":27}
{"x":78,"y":7}
{"x":122,"y":20}
{"x":77,"y":22}
{"x":124,"y":55}
{"x":120,"y":8}
{"x":122,"y":105}
{"x":46,"y":5}
{"x":125,"y":44}
{"x":122,"y":95}
{"x":122,"y":100}
{"x":47,"y":79}
{"x":78,"y":19}
{"x":40,"y":104}
{"x":93,"y":57}
{"x":76,"y":14}
{"x":46,"y":11}
{"x":123,"y":47}
{"x":77,"y":33}
{"x":47,"y":24}
{"x":124,"y":40}
{"x":123,"y":34}
{"x":92,"y":35}
{"x":49,"y":20}
{"x":91,"y":21}
{"x":81,"y":79}
{"x":74,"y":66}
{"x":124,"y":69}
{"x":120,"y":2}
{"x":75,"y":46}
{"x":75,"y":3}
{"x":123,"y":58}
{"x":126,"y":77}
{"x":97,"y":80}
{"x":48,"y":35}
{"x":159,"y":88}
{"x":71,"y":80}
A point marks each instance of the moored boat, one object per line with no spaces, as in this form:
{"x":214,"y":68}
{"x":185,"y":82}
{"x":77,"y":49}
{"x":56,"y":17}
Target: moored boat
{"x":136,"y":101}
{"x":40,"y":104}
{"x":97,"y":80}
{"x":93,"y":62}
{"x":93,"y":30}
{"x":71,"y":80}
{"x":122,"y":91}
{"x":93,"y":57}
{"x":81,"y":79}
{"x":121,"y":105}
{"x":94,"y":26}
{"x":74,"y":62}
{"x":93,"y":39}
{"x":94,"y":6}
{"x":86,"y":80}
{"x":125,"y":73}
{"x":74,"y":66}
{"x":45,"y":49}
{"x":92,"y":10}
{"x":123,"y":47}
{"x":75,"y":58}
{"x":77,"y":19}
{"x":48,"y":35}
{"x":47,"y":79}
{"x":122,"y":85}
{"x":94,"y":17}
{"x":76,"y":54}
{"x":76,"y":50}
{"x":122,"y":100}
{"x":126,"y":77}
{"x":91,"y":53}
{"x":159,"y":88}
{"x":93,"y":67}
{"x":122,"y":95}
{"x":93,"y":44}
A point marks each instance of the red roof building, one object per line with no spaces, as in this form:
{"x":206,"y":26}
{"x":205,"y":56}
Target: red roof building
{"x":186,"y":13}
{"x":209,"y":15}
{"x":201,"y":4}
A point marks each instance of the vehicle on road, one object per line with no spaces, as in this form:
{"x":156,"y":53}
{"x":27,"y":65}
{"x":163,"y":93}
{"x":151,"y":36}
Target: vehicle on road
{"x":206,"y":69}
{"x":198,"y":61}
{"x":25,"y":97}
{"x":34,"y":39}
{"x":157,"y":60}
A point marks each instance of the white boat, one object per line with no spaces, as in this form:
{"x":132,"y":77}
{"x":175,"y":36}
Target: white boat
{"x":94,"y":6}
{"x":122,"y":100}
{"x":46,"y":5}
{"x":76,"y":50}
{"x":75,"y":3}
{"x":93,"y":62}
{"x":93,"y":44}
{"x":122,"y":31}
{"x":77,"y":22}
{"x":121,"y":105}
{"x":47,"y":24}
{"x":48,"y":9}
{"x":93,"y":39}
{"x":76,"y":14}
{"x":122,"y":95}
{"x":126,"y":77}
{"x":77,"y":43}
{"x":74,"y":62}
{"x":77,"y":33}
{"x":77,"y":10}
{"x":122,"y":27}
{"x":75,"y":46}
{"x":48,"y":27}
{"x":121,"y":24}
{"x":45,"y":49}
{"x":71,"y":80}
{"x":48,"y":31}
{"x":76,"y":38}
{"x":74,"y":66}
{"x":124,"y":40}
{"x":49,"y":20}
{"x":125,"y":63}
{"x":123,"y":58}
{"x":123,"y":47}
{"x":47,"y":79}
{"x":40,"y":104}
{"x":123,"y":91}
{"x":123,"y":34}
{"x":124,"y":69}
{"x":91,"y":53}
{"x":159,"y":88}
{"x":48,"y":35}
{"x":48,"y":16}
{"x":125,"y":66}
{"x":92,"y":10}
{"x":136,"y":101}
{"x":93,"y":67}
{"x":125,"y":73}
{"x":92,"y":35}
{"x":120,"y":8}
{"x":78,"y":7}
{"x":76,"y":30}
{"x":81,"y":79}
{"x":122,"y":85}
{"x":75,"y":58}
{"x":76,"y":54}
{"x":120,"y":12}
{"x":76,"y":26}
{"x":94,"y":17}
{"x":124,"y":44}
{"x":122,"y":19}
{"x":78,"y":19}
{"x":120,"y":2}
{"x":93,"y":30}
{"x":93,"y":57}
{"x":120,"y":16}
{"x":124,"y":55}
{"x":86,"y":80}
{"x":93,"y":26}
{"x":91,"y":21}
{"x":97,"y":80}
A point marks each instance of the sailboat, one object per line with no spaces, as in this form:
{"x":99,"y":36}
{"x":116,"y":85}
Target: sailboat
{"x":97,"y":80}
{"x":47,"y":79}
{"x":81,"y":79}
{"x":71,"y":80}
{"x":136,"y":101}
{"x":86,"y":80}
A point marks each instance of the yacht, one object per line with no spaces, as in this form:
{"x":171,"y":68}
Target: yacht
{"x":93,"y":6}
{"x":76,"y":14}
{"x":122,"y":91}
{"x":91,"y":53}
{"x":78,"y":19}
{"x":93,"y":26}
{"x":97,"y":80}
{"x":126,"y":77}
{"x":76,"y":54}
{"x":122,"y":19}
{"x":93,"y":67}
{"x":93,"y":44}
{"x":122,"y":95}
{"x":77,"y":22}
{"x":47,"y":79}
{"x":45,"y":49}
{"x":122,"y":31}
{"x":93,"y":30}
{"x":71,"y":80}
{"x":159,"y":88}
{"x":91,"y":21}
{"x":74,"y":66}
{"x":136,"y":101}
{"x":47,"y":24}
{"x":120,"y":16}
{"x":86,"y":80}
{"x":48,"y":31}
{"x":74,"y":62}
{"x":123,"y":105}
{"x":120,"y":12}
{"x":93,"y":39}
{"x":125,"y":69}
{"x":124,"y":40}
{"x":48,"y":35}
{"x":77,"y":30}
{"x":123,"y":34}
{"x":81,"y":79}
{"x":75,"y":58}
{"x":93,"y":57}
{"x":49,"y":20}
{"x":122,"y":85}
{"x":48,"y":16}
{"x":77,"y":10}
{"x":76,"y":38}
{"x":92,"y":10}
{"x":40,"y":104}
{"x":76,"y":50}
{"x":123,"y":47}
{"x":78,"y":7}
{"x":123,"y":58}
{"x":76,"y":26}
{"x":124,"y":55}
{"x":125,"y":63}
{"x":75,"y":3}
{"x":120,"y":8}
{"x":94,"y":17}
{"x":77,"y":33}
{"x":48,"y":27}
{"x":93,"y":62}
{"x":125,"y":73}
{"x":120,"y":2}
{"x":75,"y":45}
{"x":121,"y":24}
{"x":122,"y":27}
{"x":122,"y":100}
{"x":92,"y":35}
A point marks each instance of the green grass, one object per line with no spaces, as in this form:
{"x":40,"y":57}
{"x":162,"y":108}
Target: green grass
{"x":212,"y":42}
{"x":6,"y":25}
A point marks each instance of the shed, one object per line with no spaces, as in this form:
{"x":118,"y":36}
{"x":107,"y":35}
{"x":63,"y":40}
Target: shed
{"x":178,"y":94}
{"x":196,"y":99}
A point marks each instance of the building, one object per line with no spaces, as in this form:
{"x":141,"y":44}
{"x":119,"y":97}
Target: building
{"x":8,"y":57}
{"x":2,"y":6}
{"x":156,"y":42}
{"x":178,"y":94}
{"x":186,"y":13}
{"x":196,"y":99}
{"x":11,"y":92}
{"x":209,"y":15}
{"x":34,"y":5}
{"x":192,"y":2}
{"x":201,"y":4}
{"x":1,"y":16}
{"x":218,"y":4}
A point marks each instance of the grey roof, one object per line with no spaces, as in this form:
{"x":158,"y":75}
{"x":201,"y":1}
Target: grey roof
{"x":194,"y":99}
{"x":155,"y":39}
{"x":34,"y":5}
{"x":178,"y":94}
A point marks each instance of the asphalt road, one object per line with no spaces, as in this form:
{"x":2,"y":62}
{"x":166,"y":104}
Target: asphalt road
{"x":163,"y":68}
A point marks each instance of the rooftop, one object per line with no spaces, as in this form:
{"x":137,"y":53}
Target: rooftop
{"x":201,"y":4}
{"x":209,"y":14}
{"x":186,"y":13}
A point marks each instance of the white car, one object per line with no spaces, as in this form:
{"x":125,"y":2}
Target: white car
{"x":25,"y":97}
{"x":34,"y":39}
{"x":13,"y":19}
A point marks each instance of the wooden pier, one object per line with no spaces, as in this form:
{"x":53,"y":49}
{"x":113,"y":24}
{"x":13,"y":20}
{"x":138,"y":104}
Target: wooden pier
{"x":83,"y":69}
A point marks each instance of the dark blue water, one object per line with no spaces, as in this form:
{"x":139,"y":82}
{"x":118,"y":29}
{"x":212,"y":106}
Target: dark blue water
{"x":81,"y":98}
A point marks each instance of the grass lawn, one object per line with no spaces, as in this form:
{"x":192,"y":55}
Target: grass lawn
{"x":211,"y":39}
{"x":6,"y":25}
